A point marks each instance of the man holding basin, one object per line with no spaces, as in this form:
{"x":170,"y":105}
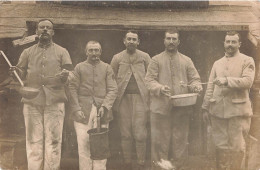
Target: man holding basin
{"x":166,"y":75}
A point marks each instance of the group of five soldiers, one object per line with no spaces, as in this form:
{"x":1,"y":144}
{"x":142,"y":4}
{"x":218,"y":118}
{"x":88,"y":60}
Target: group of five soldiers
{"x":135,"y":87}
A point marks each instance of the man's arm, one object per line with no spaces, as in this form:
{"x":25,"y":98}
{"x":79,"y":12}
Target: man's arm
{"x":147,"y":61}
{"x":193,"y":78}
{"x":66,"y":66}
{"x":22,"y":64}
{"x":73,"y":90}
{"x":151,"y":78}
{"x":247,"y":78}
{"x":112,"y":89}
{"x":210,"y":89}
{"x":115,"y":65}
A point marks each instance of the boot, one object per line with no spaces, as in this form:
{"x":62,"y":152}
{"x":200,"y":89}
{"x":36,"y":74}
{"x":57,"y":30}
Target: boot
{"x":222,"y":159}
{"x":141,"y":152}
{"x":127,"y":166}
{"x":237,"y":158}
{"x":140,"y":167}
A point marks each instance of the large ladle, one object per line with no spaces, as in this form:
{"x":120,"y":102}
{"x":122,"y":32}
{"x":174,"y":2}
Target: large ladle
{"x":26,"y":92}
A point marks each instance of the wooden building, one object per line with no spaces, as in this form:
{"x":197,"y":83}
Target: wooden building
{"x":202,"y":26}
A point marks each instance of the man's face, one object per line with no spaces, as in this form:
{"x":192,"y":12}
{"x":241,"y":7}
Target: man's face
{"x":232,"y":44}
{"x":93,"y":51}
{"x":45,"y":30}
{"x":131,"y":41}
{"x":171,"y":41}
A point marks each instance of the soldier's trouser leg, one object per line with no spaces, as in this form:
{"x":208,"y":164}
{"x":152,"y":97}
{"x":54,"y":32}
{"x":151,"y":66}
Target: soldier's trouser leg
{"x":44,"y":127}
{"x":85,"y":162}
{"x":160,"y":138}
{"x":238,"y":131}
{"x":229,"y":134}
{"x":132,"y":123}
{"x":222,"y":159}
{"x":180,"y":131}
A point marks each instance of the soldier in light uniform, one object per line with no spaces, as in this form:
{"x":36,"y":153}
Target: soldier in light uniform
{"x":170,"y":125}
{"x":92,"y":85}
{"x":228,"y":104}
{"x":44,"y":66}
{"x":131,"y":104}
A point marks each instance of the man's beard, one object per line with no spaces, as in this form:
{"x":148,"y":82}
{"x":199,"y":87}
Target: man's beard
{"x":44,"y":37}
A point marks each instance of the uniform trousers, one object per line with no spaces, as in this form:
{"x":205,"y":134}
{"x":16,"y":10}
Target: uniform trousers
{"x":85,"y":162}
{"x":230,"y":133}
{"x":133,"y":127}
{"x":44,"y":126}
{"x":169,"y":137}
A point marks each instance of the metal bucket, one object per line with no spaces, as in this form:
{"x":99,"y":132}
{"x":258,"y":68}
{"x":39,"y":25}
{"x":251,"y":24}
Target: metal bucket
{"x":99,"y":145}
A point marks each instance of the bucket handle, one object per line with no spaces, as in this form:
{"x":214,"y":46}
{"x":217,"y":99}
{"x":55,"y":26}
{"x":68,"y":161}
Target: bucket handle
{"x":98,"y":120}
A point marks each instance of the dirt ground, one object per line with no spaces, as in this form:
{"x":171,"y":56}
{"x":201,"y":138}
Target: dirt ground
{"x":194,"y":163}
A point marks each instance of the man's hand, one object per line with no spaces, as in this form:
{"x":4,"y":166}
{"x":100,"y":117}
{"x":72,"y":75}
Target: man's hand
{"x":205,"y":116}
{"x":221,"y":81}
{"x":64,"y":75}
{"x":12,"y":69}
{"x":101,"y":111}
{"x":79,"y":114}
{"x":165,"y":90}
{"x":197,"y":89}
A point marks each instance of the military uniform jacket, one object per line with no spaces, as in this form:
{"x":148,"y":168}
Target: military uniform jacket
{"x":92,"y":84}
{"x":39,"y":67}
{"x":232,"y":99}
{"x":124,"y":68}
{"x":169,"y":70}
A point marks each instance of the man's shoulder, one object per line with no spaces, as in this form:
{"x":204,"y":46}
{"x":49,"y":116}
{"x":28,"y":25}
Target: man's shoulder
{"x":80,"y":64}
{"x":245,"y":57}
{"x":59,"y":47}
{"x":30,"y":48}
{"x":184,"y":57}
{"x":120,"y":54}
{"x":102,"y":63}
{"x":158,"y":56}
{"x":220,"y":61}
{"x":142,"y":53}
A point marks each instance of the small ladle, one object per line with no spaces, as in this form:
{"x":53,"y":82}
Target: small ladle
{"x":184,"y":84}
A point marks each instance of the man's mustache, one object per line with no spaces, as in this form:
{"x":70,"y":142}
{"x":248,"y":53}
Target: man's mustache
{"x":43,"y":34}
{"x":230,"y":47}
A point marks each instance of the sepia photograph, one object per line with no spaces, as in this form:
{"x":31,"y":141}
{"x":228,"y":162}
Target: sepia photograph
{"x":129,"y":85}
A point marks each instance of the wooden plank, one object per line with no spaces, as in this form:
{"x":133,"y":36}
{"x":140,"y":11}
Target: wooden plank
{"x":70,"y":17}
{"x":111,"y":14}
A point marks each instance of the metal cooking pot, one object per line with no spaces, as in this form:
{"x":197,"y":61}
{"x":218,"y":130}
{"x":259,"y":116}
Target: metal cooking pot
{"x":28,"y":92}
{"x":184,"y":99}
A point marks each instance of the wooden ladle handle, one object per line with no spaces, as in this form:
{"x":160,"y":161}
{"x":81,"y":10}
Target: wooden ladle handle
{"x":10,"y":65}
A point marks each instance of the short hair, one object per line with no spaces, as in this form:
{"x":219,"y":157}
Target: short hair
{"x":93,"y":42}
{"x":172,"y":31}
{"x":132,"y":31}
{"x":45,"y":19}
{"x":232,"y":33}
